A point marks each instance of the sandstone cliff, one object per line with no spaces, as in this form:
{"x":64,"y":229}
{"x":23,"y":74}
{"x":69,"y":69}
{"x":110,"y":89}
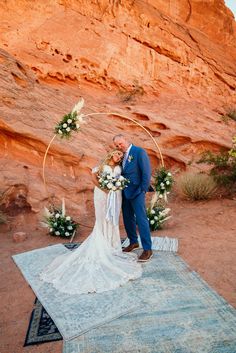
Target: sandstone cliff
{"x":171,"y":65}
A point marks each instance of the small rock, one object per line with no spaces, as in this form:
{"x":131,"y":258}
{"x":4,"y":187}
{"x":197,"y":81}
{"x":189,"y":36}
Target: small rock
{"x":18,"y":237}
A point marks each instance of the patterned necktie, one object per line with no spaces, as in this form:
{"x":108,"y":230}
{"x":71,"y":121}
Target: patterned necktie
{"x":124,"y":159}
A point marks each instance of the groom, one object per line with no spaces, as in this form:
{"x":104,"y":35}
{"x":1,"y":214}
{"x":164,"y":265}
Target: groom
{"x":136,"y":168}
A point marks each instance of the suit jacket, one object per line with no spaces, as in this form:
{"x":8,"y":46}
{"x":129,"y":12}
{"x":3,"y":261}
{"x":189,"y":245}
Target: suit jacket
{"x":138,"y":170}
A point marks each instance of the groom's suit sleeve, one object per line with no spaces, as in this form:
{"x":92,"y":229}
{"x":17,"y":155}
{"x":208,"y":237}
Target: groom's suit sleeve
{"x":145,"y":169}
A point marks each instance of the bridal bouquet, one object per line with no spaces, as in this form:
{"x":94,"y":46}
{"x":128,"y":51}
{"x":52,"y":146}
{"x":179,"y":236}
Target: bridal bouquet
{"x":71,"y":121}
{"x":157,"y":216}
{"x":163,"y":182}
{"x":108,"y":182}
{"x":58,"y":223}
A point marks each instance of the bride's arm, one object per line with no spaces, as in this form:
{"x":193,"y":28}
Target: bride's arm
{"x":95,"y":179}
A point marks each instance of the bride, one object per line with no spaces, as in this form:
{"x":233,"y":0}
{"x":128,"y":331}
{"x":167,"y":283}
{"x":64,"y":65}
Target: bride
{"x":98,"y":264}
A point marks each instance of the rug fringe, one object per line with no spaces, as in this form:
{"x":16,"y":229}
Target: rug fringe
{"x":159,"y":243}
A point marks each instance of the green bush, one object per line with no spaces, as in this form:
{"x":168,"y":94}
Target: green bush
{"x":196,"y":186}
{"x":224,"y":165}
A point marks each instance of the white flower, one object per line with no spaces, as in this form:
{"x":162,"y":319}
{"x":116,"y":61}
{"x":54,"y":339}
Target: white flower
{"x":77,"y":126}
{"x":70,"y":227}
{"x":60,"y":132}
{"x":153,"y":212}
{"x":169,"y":174}
{"x":163,"y":187}
{"x":64,"y":125}
{"x":77,"y":108}
{"x":152,"y":221}
{"x":160,"y":196}
{"x":109,"y":177}
{"x":168,"y":192}
{"x":69,"y":121}
{"x":105,"y":181}
{"x":109,"y":185}
{"x":122,"y":178}
{"x":68,"y":218}
{"x":167,"y":182}
{"x":162,"y":184}
{"x":156,"y":218}
{"x":57,"y":215}
{"x":51,"y":229}
{"x":67,"y":129}
{"x":118,"y":183}
{"x":57,"y":233}
{"x":67,"y":234}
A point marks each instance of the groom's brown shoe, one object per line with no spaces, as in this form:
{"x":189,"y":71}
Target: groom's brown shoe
{"x":145,"y":256}
{"x":131,"y":247}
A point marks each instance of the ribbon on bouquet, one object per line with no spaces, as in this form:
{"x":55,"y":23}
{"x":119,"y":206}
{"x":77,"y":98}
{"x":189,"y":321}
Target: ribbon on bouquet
{"x":113,"y":208}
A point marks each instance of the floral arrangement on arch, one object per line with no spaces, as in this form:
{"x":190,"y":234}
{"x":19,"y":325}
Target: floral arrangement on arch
{"x":157,"y":216}
{"x":58,"y":223}
{"x":71,"y":121}
{"x":163,"y":182}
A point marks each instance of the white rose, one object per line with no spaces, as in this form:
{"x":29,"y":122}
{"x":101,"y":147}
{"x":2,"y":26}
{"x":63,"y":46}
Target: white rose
{"x":118,"y":183}
{"x":160,"y":196}
{"x":162,"y":184}
{"x":57,"y":233}
{"x":169,"y":174}
{"x":156,"y":218}
{"x":153,"y":212}
{"x":167,"y":182}
{"x":60,"y":132}
{"x":109,"y":177}
{"x":67,"y":129}
{"x":68,"y":218}
{"x":57,"y":215}
{"x":109,"y":185}
{"x":162,"y":187}
{"x":69,"y":121}
{"x":70,"y":227}
{"x":152,"y":221}
{"x":64,"y":125}
{"x":67,"y":234}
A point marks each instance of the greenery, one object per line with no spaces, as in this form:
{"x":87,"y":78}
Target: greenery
{"x":197,"y":186}
{"x":163,"y":182}
{"x":71,"y":121}
{"x":58,"y":223}
{"x":157,"y":216}
{"x":223,"y":165}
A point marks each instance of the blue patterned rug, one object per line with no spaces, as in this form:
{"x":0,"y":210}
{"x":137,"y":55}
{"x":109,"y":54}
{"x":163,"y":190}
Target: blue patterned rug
{"x":181,"y":314}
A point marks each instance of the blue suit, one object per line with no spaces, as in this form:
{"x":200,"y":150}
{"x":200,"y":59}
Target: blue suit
{"x":138,"y":170}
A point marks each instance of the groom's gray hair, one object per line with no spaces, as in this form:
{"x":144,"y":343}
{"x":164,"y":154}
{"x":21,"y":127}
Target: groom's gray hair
{"x":118,"y":136}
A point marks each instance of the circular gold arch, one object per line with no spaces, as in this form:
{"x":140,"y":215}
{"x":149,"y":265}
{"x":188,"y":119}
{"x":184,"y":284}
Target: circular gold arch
{"x":112,"y":114}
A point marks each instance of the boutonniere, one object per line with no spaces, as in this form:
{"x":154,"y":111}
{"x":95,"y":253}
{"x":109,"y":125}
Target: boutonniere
{"x":130,"y":158}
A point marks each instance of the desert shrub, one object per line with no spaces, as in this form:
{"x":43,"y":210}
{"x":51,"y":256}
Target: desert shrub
{"x":231,"y":114}
{"x":223,"y":166}
{"x":196,"y":186}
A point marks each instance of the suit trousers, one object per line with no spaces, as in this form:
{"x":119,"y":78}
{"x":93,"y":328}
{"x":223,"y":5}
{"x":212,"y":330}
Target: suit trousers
{"x":134,"y":212}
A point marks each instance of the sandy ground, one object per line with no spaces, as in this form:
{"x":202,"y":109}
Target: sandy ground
{"x":207,"y":241}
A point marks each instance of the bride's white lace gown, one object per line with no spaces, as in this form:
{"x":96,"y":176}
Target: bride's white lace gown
{"x":98,"y":264}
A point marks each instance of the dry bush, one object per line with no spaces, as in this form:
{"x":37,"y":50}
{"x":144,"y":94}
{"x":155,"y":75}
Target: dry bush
{"x":3,"y":218}
{"x":196,"y":186}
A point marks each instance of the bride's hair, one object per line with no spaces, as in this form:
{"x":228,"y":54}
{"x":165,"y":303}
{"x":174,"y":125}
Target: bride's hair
{"x":107,"y":159}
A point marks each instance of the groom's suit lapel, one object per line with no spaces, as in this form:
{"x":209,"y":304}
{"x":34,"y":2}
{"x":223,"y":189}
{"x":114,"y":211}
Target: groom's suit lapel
{"x":131,"y":152}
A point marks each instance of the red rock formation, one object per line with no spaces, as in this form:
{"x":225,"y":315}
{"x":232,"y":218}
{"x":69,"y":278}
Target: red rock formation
{"x":168,"y":64}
